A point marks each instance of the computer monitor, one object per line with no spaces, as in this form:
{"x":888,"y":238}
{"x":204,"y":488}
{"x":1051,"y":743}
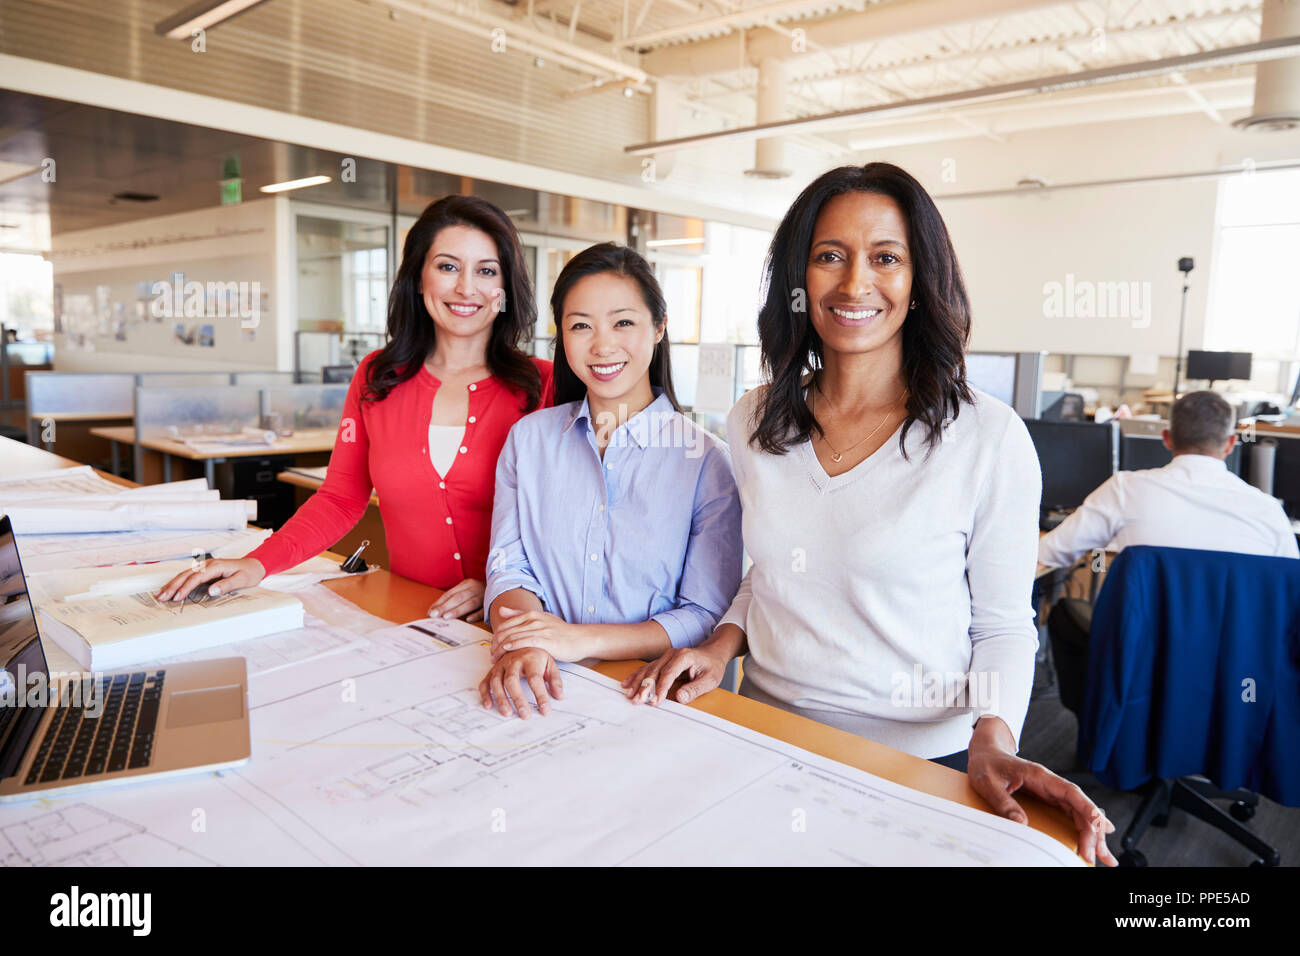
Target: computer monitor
{"x":1218,"y":366}
{"x":994,"y":373}
{"x":336,"y":374}
{"x":1075,"y":458}
{"x":1063,"y":407}
{"x":1140,"y":452}
{"x":1012,"y":377}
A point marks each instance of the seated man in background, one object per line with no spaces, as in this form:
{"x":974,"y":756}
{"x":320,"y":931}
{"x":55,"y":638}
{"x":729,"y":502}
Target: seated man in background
{"x":1192,"y":502}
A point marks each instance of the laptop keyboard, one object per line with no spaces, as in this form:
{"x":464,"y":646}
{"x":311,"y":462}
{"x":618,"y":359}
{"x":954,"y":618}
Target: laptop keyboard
{"x":7,"y":718}
{"x":120,"y":738}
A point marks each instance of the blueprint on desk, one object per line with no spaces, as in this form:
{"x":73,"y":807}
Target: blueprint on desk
{"x":377,"y":751}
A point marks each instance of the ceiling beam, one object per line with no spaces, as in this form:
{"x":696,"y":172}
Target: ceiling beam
{"x":1046,"y":43}
{"x":1258,"y":52}
{"x":873,"y":22}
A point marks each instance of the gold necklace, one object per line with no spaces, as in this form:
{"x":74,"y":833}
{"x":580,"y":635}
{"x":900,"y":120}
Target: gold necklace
{"x":837,"y":457}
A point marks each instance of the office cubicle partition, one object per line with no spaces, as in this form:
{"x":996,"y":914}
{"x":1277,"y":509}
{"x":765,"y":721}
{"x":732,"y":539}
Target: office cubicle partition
{"x":261,"y":379}
{"x":179,"y":412}
{"x":65,"y":396}
{"x":187,"y":379}
{"x":300,"y":407}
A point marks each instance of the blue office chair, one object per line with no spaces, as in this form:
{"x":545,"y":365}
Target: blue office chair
{"x":1194,"y":672}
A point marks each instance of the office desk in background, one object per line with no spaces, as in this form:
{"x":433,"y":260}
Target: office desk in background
{"x":76,"y":434}
{"x":399,"y":599}
{"x":369,"y":528}
{"x":309,"y":442}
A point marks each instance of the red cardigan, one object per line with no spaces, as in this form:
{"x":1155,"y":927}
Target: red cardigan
{"x":436,"y":526}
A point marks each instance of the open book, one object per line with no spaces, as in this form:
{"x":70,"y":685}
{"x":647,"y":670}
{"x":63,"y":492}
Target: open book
{"x":121,"y":630}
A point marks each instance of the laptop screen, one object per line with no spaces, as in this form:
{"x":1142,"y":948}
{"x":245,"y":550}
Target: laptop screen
{"x":20,"y":652}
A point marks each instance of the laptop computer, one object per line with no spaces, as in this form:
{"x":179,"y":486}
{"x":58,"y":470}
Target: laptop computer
{"x":96,"y":730}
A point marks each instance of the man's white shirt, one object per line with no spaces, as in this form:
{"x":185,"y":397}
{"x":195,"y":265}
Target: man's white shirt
{"x":1192,"y":502}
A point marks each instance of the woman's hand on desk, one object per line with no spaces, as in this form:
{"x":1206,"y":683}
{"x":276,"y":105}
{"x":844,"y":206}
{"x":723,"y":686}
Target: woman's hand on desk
{"x":227,"y":574}
{"x":703,"y":666}
{"x":996,"y":772}
{"x":503,"y":682}
{"x":460,"y":600}
{"x":516,"y":630}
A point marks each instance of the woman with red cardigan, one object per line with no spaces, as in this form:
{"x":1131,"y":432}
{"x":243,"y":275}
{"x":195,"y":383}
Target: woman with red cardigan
{"x":425,"y":417}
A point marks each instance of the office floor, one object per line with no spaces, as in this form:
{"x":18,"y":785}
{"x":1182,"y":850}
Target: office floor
{"x":1049,"y":738}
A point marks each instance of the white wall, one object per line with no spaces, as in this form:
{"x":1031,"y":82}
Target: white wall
{"x":1012,"y":249}
{"x":99,"y":274}
{"x":1010,"y":246}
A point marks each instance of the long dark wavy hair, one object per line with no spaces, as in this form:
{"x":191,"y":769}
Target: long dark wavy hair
{"x":411,"y":331}
{"x":935,"y":333}
{"x":607,"y":257}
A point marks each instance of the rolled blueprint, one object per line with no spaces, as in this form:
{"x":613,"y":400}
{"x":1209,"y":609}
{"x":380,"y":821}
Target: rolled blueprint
{"x":73,"y":517}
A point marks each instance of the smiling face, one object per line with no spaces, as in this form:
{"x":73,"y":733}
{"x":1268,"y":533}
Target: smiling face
{"x":609,"y":338}
{"x":859,"y":273}
{"x":462,"y":284}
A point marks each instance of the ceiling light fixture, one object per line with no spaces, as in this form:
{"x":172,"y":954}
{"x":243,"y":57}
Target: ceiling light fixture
{"x":675,"y":242}
{"x":201,"y":16}
{"x":295,"y":184}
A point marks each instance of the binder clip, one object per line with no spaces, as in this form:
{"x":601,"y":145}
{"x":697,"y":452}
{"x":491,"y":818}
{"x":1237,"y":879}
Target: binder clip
{"x":356,"y":563}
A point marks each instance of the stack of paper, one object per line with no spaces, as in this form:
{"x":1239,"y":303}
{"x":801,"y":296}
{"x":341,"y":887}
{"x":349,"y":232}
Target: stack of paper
{"x":247,"y":437}
{"x":119,"y":630}
{"x":76,"y":500}
{"x":59,"y":552}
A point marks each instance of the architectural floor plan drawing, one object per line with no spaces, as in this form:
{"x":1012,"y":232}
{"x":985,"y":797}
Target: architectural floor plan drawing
{"x":82,"y":835}
{"x":416,"y":771}
{"x":380,"y":753}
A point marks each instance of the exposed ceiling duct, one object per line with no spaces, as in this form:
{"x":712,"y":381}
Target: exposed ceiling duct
{"x":1277,"y":82}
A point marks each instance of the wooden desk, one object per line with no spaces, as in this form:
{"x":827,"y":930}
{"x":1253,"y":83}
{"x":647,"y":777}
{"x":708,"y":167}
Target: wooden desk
{"x":75,"y":432}
{"x":1269,"y":428}
{"x":307,"y":441}
{"x":399,"y":599}
{"x":117,"y":435}
{"x":309,"y":483}
{"x":369,"y":528}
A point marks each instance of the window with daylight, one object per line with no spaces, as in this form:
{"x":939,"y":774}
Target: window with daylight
{"x":1254,"y":303}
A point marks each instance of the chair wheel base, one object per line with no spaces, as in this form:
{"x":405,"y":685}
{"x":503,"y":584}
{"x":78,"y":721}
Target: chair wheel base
{"x":1132,"y":858}
{"x":1160,"y":821}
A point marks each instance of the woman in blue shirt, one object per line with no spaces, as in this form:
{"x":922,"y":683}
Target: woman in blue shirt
{"x":616,"y":522}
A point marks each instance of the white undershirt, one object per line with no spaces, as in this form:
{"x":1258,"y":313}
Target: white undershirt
{"x":444,"y":445}
{"x":861,"y":578}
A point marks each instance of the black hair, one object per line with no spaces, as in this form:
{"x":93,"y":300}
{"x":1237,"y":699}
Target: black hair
{"x":935,"y":333}
{"x":608,"y":257}
{"x":411,"y":332}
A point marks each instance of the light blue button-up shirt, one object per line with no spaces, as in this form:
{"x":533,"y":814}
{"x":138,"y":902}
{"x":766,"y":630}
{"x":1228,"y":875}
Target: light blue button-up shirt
{"x":651,"y":533}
